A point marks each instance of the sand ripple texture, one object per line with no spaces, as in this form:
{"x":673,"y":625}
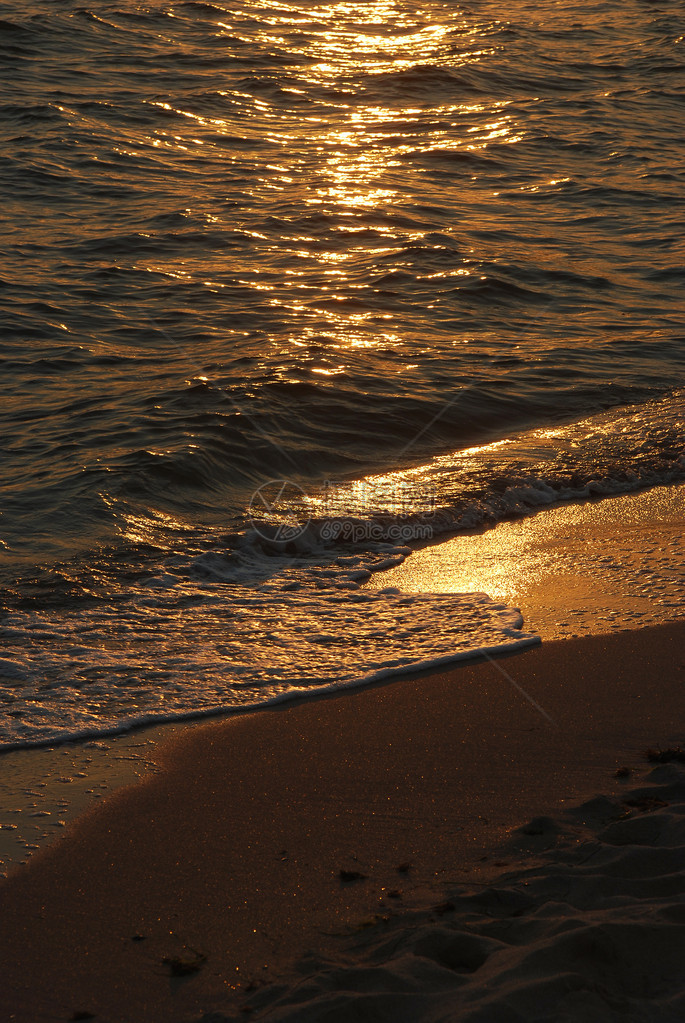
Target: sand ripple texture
{"x":593,"y":933}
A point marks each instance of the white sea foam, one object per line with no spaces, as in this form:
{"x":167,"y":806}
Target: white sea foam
{"x":223,"y":630}
{"x":612,"y":452}
{"x":221,"y":626}
{"x":198,"y":650}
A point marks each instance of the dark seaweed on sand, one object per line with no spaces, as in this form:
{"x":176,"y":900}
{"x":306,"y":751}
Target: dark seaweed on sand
{"x":352,"y":875}
{"x":182,"y":966}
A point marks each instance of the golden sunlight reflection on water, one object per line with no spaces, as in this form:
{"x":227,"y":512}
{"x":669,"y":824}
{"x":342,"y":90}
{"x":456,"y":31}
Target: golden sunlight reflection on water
{"x":573,"y":569}
{"x":346,"y":159}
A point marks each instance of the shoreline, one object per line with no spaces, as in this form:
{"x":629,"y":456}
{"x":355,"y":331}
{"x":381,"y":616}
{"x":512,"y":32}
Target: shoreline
{"x":582,"y":568}
{"x":233,"y":850}
{"x":592,"y":566}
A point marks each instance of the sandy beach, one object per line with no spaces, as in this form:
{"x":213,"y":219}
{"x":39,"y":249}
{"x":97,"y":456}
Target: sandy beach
{"x":274,"y":836}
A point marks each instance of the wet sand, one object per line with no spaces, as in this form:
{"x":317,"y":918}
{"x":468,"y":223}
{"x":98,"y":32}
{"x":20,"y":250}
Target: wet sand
{"x":577,"y":569}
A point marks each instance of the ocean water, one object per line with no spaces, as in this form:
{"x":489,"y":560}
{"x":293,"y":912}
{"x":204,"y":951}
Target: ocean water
{"x":288,"y":288}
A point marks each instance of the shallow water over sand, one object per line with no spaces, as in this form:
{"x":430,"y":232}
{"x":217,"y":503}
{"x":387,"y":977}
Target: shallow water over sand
{"x":421,"y":265}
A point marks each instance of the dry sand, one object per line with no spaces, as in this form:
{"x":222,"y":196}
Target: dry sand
{"x":227,"y":863}
{"x":592,"y":932}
